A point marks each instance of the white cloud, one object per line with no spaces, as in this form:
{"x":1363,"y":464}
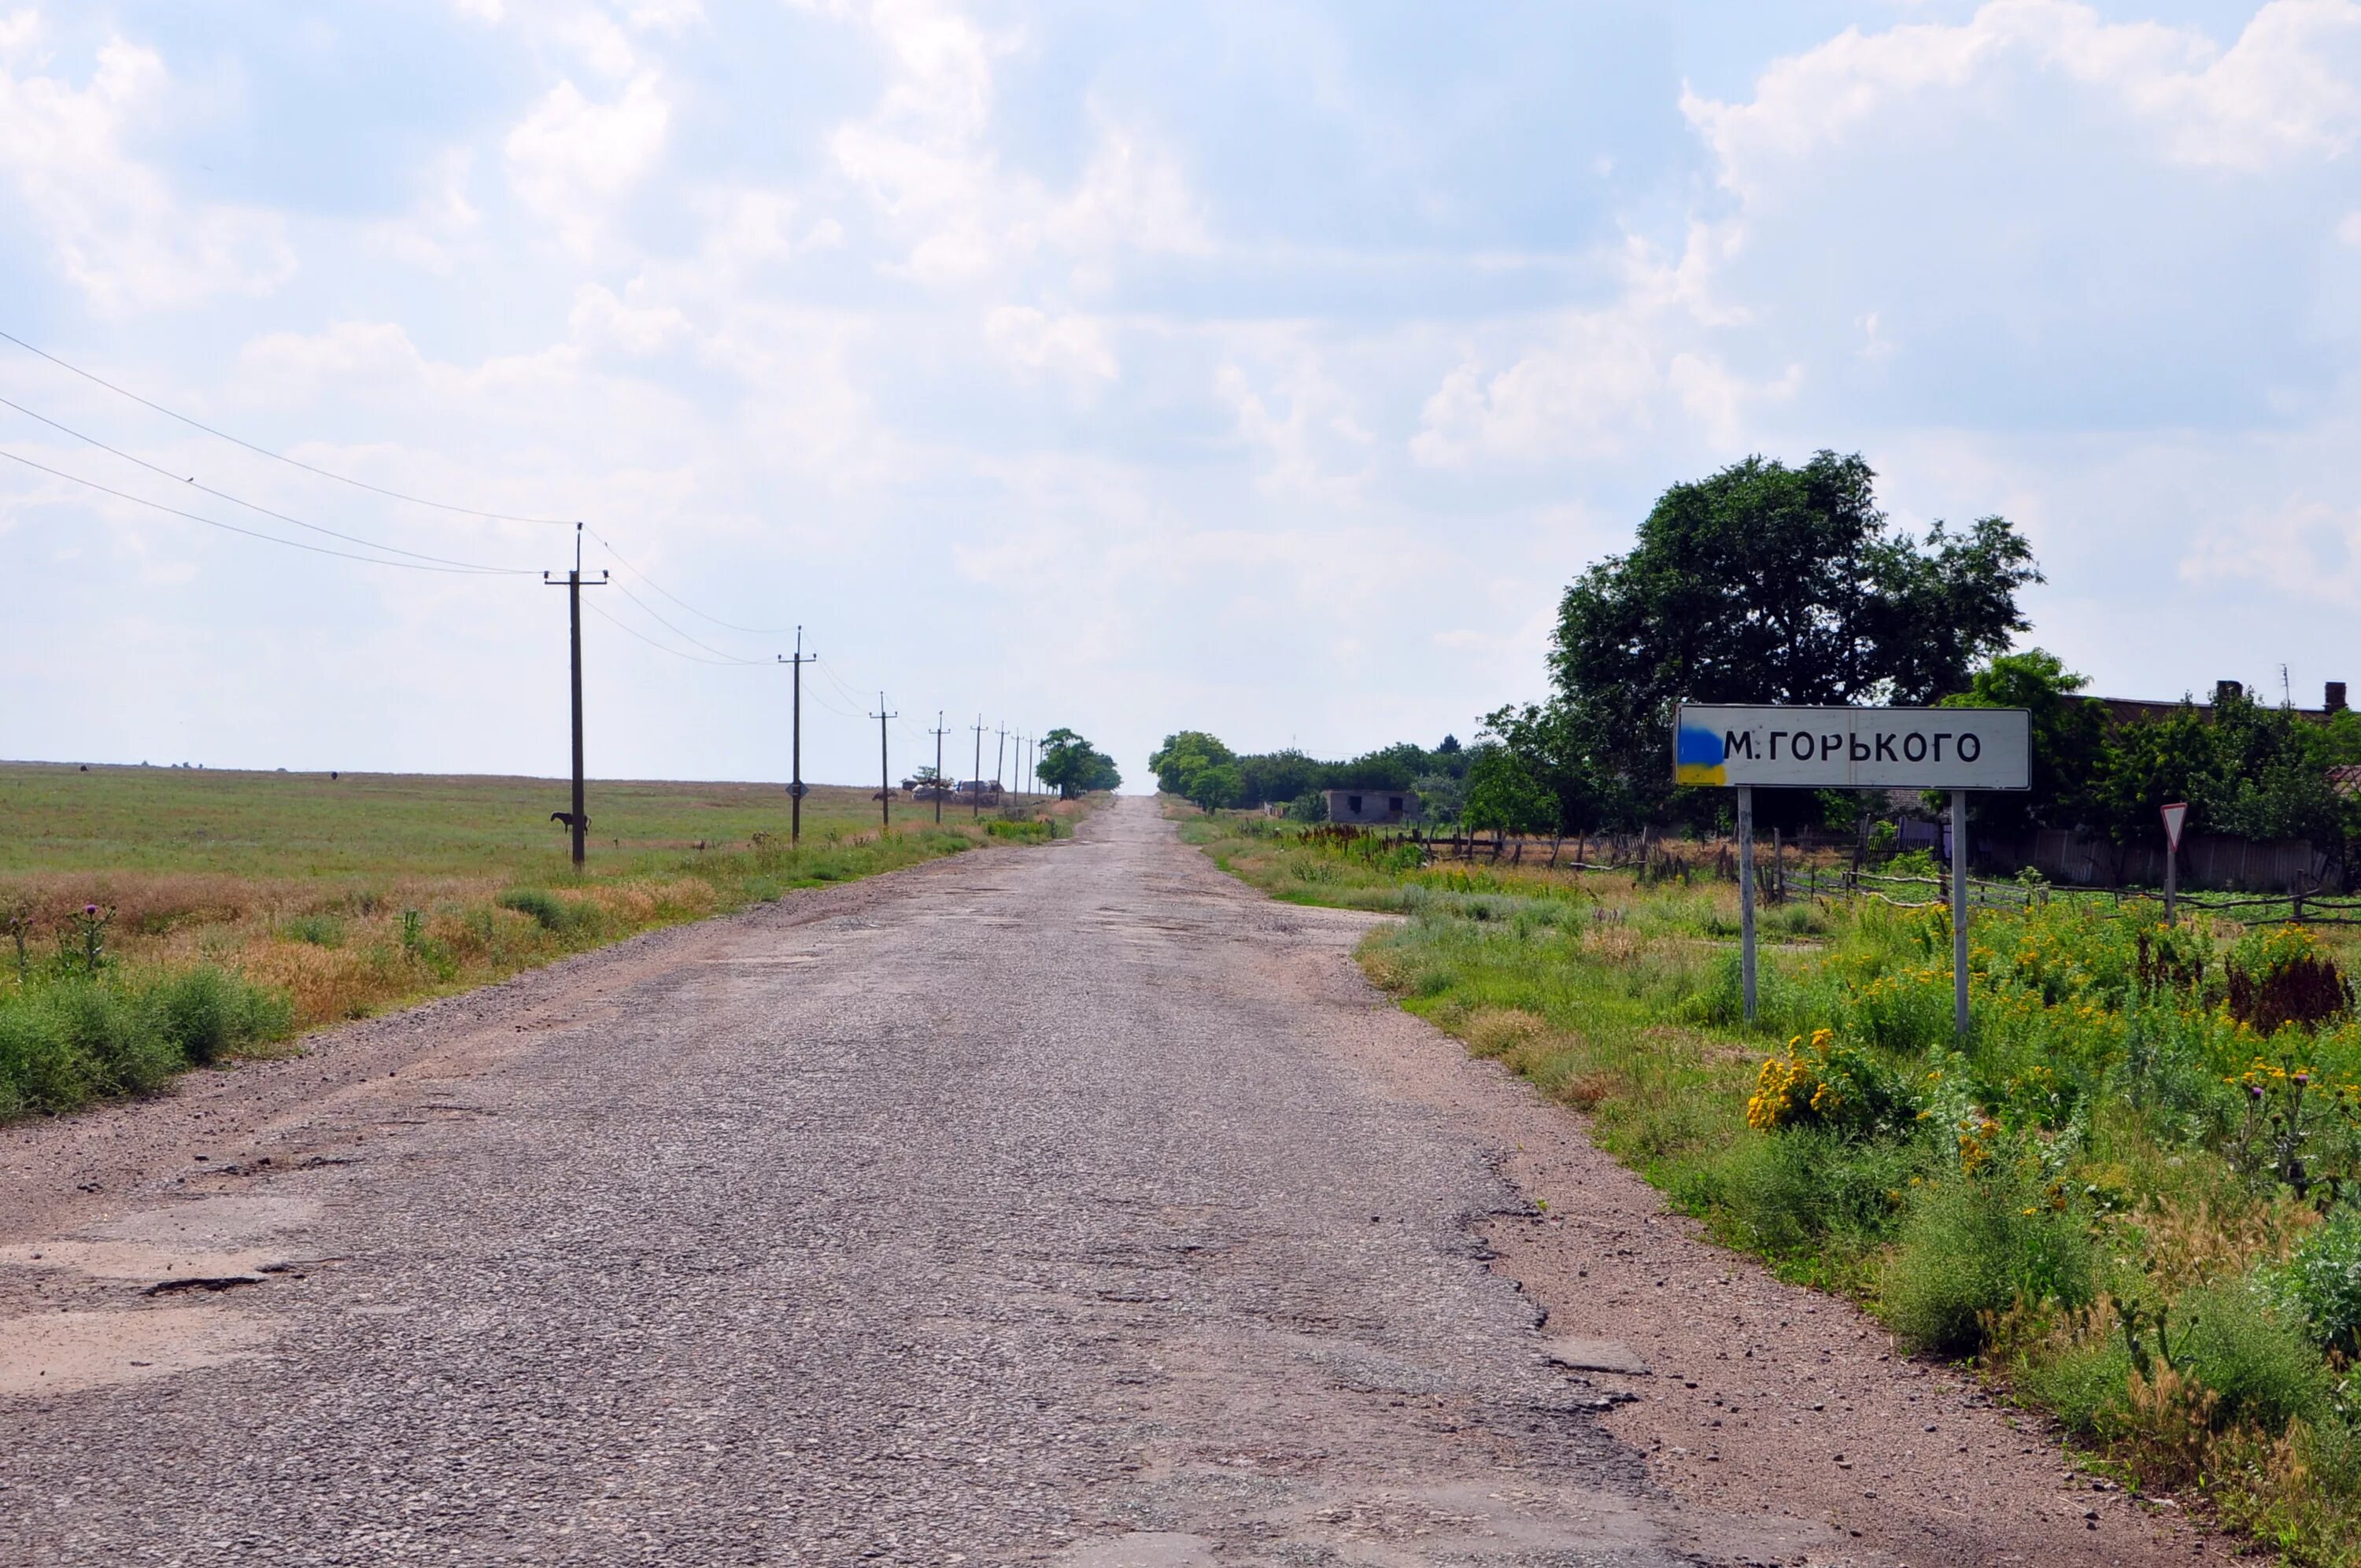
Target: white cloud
{"x":1075,"y":347}
{"x":442,"y":216}
{"x":1592,"y":382}
{"x":600,"y":319}
{"x":2289,"y":87}
{"x":117,"y":231}
{"x":571,"y":160}
{"x":1306,"y":426}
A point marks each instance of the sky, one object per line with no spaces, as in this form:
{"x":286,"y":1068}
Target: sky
{"x":1264,"y":368}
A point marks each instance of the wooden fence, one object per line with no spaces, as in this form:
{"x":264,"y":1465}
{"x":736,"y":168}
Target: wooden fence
{"x":1782,"y":873}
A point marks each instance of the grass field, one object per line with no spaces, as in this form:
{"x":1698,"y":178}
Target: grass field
{"x":2133,"y":1198}
{"x":153,"y":918}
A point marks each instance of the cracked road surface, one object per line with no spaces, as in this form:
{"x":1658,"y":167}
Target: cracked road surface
{"x":1066,"y":1205}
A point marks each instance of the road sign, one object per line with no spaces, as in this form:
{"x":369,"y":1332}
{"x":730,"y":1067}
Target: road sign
{"x":1853,"y":748}
{"x":2174,"y":816}
{"x":798,"y":789}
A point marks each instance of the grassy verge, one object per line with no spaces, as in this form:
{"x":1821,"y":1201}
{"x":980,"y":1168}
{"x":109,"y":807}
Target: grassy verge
{"x":155,"y":919}
{"x":2133,"y":1198}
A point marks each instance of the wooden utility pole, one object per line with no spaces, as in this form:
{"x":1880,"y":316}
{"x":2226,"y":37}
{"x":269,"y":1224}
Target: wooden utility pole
{"x":999,"y":757}
{"x":795,"y":747}
{"x":884,"y":770}
{"x":976,"y":797}
{"x":578,"y":821}
{"x":939,"y":767}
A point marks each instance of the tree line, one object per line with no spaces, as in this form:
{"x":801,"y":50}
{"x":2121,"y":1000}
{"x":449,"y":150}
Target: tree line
{"x":1767,"y":583}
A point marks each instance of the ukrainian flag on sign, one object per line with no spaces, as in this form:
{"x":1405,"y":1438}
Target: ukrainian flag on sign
{"x":1697,"y":755}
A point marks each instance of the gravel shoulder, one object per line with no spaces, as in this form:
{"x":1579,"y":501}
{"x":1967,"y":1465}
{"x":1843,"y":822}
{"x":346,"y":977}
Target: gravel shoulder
{"x":1070,"y":1206}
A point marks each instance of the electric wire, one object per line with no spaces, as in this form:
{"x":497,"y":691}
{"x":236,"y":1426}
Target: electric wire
{"x":415,"y":561}
{"x":278,"y":457}
{"x":626,"y":626}
{"x":251,"y":532}
{"x":192,"y":482}
{"x":259,"y":450}
{"x":658,"y":588}
{"x":721,"y":654}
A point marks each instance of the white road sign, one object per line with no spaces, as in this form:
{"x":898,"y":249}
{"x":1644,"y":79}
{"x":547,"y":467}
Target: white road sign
{"x":1853,"y":748}
{"x":2174,"y":816}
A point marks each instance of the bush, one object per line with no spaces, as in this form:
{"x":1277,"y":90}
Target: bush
{"x":205,"y":1012}
{"x":2323,"y":1282}
{"x":1824,"y":1084}
{"x":2253,"y":1357}
{"x":1979,"y":1244}
{"x":320,"y":930}
{"x":68,"y":1041}
{"x":551,"y":912}
{"x":1793,"y":1190}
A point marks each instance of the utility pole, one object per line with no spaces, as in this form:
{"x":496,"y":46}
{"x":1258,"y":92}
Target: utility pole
{"x":885,"y":772}
{"x":796,"y":785}
{"x":999,"y":753}
{"x":976,"y":797}
{"x":939,"y":767}
{"x":578,"y":821}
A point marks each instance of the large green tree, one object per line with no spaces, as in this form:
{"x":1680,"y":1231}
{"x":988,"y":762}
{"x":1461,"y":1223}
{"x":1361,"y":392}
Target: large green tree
{"x":1072,"y":766}
{"x":1768,"y":584}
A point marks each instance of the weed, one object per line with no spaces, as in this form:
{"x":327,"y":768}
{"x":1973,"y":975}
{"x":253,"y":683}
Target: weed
{"x":1976,"y":1245}
{"x":319,"y":930}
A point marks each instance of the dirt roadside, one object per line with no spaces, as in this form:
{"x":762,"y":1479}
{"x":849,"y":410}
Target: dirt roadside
{"x":1758,"y":1396}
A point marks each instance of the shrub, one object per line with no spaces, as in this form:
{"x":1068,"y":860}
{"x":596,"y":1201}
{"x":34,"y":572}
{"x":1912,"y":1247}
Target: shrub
{"x":205,"y":1012}
{"x":2280,"y":976}
{"x":2253,"y":1357}
{"x":1979,"y":1244}
{"x":2323,"y":1282}
{"x":551,"y":912}
{"x":73,"y":1039}
{"x":1824,"y":1084}
{"x":319,"y":930}
{"x":1787,"y":1193}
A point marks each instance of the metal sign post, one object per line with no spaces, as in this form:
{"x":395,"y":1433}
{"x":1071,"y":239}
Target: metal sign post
{"x":2174,"y":816}
{"x":1953,"y":749}
{"x":1960,"y":913}
{"x":1746,"y":898}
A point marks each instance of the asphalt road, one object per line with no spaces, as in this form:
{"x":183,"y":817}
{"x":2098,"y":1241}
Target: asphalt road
{"x":1062,"y":1205}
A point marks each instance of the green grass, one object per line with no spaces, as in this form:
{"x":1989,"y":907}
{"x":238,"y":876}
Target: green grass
{"x":2109,"y":1197}
{"x":338,"y":898}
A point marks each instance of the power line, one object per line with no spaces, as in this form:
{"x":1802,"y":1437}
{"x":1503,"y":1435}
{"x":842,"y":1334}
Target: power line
{"x":252,"y":506}
{"x":692,"y":658}
{"x":702,"y":615}
{"x":721,"y":654}
{"x":261,"y":451}
{"x":257,"y":533}
{"x":279,"y":456}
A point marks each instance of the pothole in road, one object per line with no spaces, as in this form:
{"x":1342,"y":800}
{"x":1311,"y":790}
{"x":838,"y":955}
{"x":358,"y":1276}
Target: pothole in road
{"x":56,"y":1352}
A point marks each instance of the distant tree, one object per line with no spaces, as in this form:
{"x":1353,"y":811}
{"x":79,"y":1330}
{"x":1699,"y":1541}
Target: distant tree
{"x":1450,"y":746}
{"x":1441,"y":797}
{"x":2069,"y":733}
{"x":1071,"y":766}
{"x":1277,"y":776}
{"x":1768,"y":584}
{"x":1503,"y":795}
{"x":1184,"y":754}
{"x":1547,"y":742}
{"x":1216,"y":786}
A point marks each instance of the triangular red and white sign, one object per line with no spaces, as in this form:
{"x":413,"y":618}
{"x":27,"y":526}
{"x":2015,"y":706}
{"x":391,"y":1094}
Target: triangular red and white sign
{"x":2174,"y":816}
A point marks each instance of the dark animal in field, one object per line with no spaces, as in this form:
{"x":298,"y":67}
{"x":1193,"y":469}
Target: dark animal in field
{"x":567,"y":817}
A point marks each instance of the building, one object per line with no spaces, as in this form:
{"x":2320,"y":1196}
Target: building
{"x":1371,"y":806}
{"x":2123,"y":709}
